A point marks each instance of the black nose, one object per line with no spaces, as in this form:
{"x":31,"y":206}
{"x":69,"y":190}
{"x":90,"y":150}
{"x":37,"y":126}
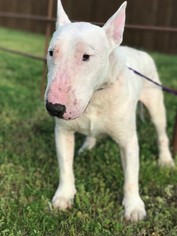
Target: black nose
{"x":55,"y":109}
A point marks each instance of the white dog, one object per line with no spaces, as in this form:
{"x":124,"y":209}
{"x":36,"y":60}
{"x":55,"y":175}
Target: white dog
{"x":91,"y":90}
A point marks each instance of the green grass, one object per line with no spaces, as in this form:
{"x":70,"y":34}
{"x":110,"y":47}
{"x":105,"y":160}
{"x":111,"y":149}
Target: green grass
{"x":28,"y":164}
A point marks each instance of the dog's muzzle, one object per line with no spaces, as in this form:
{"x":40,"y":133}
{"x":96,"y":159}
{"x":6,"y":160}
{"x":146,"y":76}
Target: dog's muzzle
{"x":57,"y":110}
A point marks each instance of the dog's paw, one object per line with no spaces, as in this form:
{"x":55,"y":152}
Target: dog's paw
{"x":64,"y":198}
{"x":62,"y":203}
{"x":166,"y":160}
{"x":166,"y":163}
{"x":134,"y":210}
{"x":88,"y":144}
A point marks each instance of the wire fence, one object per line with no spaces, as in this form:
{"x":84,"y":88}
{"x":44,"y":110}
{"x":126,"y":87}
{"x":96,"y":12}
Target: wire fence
{"x":47,"y":23}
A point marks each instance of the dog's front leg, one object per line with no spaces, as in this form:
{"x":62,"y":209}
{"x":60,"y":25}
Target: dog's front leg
{"x":64,"y":195}
{"x":134,"y":206}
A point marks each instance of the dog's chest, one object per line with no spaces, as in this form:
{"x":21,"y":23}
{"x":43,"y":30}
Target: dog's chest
{"x":101,"y":111}
{"x":90,"y":123}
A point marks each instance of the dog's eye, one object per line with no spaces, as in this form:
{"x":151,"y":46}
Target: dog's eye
{"x":51,"y":53}
{"x":85,"y":57}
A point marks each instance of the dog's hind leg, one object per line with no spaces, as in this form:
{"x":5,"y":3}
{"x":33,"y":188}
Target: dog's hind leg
{"x":88,"y":144}
{"x":152,"y":98}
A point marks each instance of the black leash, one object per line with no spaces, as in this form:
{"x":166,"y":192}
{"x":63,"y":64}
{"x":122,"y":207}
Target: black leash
{"x":164,"y":88}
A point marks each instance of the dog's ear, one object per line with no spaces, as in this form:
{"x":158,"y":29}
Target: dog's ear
{"x":62,"y":18}
{"x":114,"y":27}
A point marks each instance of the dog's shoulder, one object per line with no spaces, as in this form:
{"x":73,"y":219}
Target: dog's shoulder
{"x":135,"y":58}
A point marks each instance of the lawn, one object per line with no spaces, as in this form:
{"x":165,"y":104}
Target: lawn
{"x":28,"y":164}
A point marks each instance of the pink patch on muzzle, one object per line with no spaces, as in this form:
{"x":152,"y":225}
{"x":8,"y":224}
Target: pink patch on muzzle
{"x":61,"y":92}
{"x":57,"y":91}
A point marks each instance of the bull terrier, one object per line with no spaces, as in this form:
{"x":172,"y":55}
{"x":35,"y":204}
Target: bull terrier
{"x":91,"y":90}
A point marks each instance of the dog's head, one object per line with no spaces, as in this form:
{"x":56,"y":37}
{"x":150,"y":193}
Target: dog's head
{"x":78,"y":62}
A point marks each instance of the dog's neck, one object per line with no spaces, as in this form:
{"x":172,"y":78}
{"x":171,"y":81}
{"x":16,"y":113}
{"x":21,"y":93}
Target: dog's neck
{"x":116,"y":66}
